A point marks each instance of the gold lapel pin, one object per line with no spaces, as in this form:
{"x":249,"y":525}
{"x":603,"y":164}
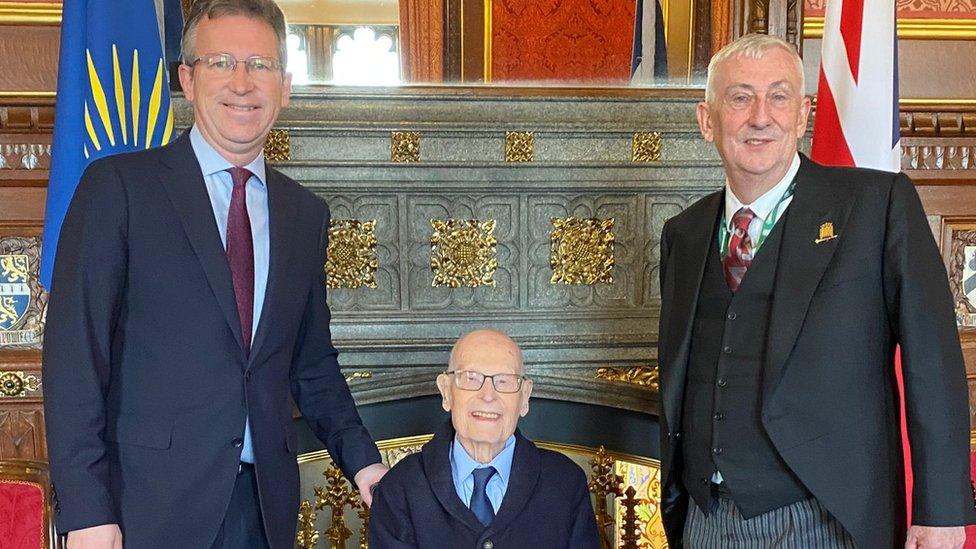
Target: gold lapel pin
{"x":826,"y":233}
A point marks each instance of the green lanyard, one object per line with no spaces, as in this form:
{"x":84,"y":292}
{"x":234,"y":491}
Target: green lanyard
{"x":768,"y":224}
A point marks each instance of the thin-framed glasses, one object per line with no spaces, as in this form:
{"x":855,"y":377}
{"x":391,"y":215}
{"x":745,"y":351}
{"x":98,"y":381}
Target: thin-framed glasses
{"x":470,"y":380}
{"x":225,"y":63}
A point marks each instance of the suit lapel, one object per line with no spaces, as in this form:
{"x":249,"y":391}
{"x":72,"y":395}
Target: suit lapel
{"x":802,"y":262}
{"x":281,"y":213}
{"x":526,"y":468}
{"x":689,"y":253}
{"x":437,"y":467}
{"x":188,"y":193}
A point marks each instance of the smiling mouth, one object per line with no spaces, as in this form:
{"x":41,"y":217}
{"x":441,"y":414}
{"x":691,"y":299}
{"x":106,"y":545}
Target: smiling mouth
{"x":486,"y":415}
{"x":240,"y":108}
{"x":758,"y":141}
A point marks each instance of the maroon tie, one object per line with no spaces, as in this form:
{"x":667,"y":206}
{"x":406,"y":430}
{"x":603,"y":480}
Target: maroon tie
{"x":740,"y":249}
{"x":240,"y":252}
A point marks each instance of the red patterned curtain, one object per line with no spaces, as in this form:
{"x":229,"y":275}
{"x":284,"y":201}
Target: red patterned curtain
{"x":583,"y":41}
{"x":422,"y":40}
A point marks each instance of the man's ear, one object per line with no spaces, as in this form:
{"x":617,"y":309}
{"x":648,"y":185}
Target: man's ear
{"x":186,"y":81}
{"x":704,"y":114}
{"x":526,"y":393}
{"x":444,"y":386}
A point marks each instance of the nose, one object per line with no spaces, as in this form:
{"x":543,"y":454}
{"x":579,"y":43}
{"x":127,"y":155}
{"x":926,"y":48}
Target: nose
{"x":240,"y":79}
{"x":487,"y":391}
{"x":759,"y":114}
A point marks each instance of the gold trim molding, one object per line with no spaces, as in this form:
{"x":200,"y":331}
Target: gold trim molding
{"x":20,"y":13}
{"x":277,"y":146}
{"x":644,"y":376}
{"x":519,"y":146}
{"x":919,"y":29}
{"x":645,"y":147}
{"x":581,"y":250}
{"x":462,"y":253}
{"x":405,"y":146}
{"x":17,"y":384}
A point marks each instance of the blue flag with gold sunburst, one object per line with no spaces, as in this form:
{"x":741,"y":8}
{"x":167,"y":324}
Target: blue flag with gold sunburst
{"x":113,"y":97}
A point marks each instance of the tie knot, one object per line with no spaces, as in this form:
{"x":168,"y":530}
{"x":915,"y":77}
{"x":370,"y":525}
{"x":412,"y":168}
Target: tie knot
{"x":483,"y":475}
{"x":239,"y":175}
{"x":742,"y":219}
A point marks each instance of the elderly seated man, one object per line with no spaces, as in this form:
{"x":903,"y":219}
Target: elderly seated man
{"x":479,"y":483}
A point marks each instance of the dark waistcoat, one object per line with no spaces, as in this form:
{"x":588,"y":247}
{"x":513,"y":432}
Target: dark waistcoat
{"x":722,"y":404}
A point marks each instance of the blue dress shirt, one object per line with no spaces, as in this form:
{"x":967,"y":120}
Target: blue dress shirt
{"x":219,"y":186}
{"x":462,"y":465}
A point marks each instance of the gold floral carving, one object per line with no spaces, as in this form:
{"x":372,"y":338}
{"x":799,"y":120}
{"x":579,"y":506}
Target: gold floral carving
{"x":394,"y":455}
{"x":519,"y":147}
{"x":358,"y":375}
{"x":462,"y":252}
{"x":18,"y":384}
{"x":638,"y":375}
{"x":405,"y":146}
{"x":336,"y":496}
{"x":581,"y":250}
{"x":645,"y":147}
{"x":604,"y":483}
{"x":351,"y":261}
{"x":308,"y":536}
{"x":277,"y":146}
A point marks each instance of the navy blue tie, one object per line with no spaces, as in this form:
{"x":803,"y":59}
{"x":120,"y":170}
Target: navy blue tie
{"x":480,"y":504}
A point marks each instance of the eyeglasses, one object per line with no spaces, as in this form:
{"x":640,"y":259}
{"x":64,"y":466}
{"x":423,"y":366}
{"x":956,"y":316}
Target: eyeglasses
{"x":225,"y":63}
{"x":470,"y":380}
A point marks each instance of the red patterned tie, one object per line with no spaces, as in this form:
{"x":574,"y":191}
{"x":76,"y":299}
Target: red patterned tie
{"x":740,"y":249}
{"x":240,"y":252}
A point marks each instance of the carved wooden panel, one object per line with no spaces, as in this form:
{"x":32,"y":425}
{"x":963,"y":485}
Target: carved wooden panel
{"x":22,"y":431}
{"x":29,"y":58}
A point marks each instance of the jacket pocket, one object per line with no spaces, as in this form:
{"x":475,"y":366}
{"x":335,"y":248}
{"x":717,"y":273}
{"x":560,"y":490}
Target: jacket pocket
{"x":140,"y":431}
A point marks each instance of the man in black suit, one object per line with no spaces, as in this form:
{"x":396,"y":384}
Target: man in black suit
{"x":784,"y":296}
{"x":188,"y":306}
{"x":479,"y":483}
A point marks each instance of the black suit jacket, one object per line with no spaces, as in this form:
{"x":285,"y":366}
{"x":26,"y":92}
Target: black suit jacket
{"x":547,"y":503}
{"x":839,"y":308}
{"x":147,"y":386}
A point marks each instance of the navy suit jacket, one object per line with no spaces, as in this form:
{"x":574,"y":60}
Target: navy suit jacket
{"x":546,"y":504}
{"x":845,"y":295}
{"x":147,"y":385}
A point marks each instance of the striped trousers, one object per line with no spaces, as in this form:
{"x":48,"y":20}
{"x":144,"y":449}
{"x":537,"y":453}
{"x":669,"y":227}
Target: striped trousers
{"x":801,"y":525}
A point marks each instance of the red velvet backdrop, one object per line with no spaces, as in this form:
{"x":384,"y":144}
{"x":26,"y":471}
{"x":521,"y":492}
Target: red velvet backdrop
{"x":570,"y":41}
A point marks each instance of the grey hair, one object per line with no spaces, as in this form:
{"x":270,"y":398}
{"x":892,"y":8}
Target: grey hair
{"x":262,"y":10}
{"x":751,"y":46}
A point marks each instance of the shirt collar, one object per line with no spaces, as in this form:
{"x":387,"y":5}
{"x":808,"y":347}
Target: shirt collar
{"x":211,"y":162}
{"x":763,"y":205}
{"x":464,"y":465}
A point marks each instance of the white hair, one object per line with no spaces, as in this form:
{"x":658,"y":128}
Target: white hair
{"x":751,"y":46}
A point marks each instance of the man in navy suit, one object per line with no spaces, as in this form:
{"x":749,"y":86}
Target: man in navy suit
{"x":479,"y":483}
{"x":188,"y":306}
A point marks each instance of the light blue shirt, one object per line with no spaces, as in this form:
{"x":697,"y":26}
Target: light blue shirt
{"x":219,"y":186}
{"x":462,"y":467}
